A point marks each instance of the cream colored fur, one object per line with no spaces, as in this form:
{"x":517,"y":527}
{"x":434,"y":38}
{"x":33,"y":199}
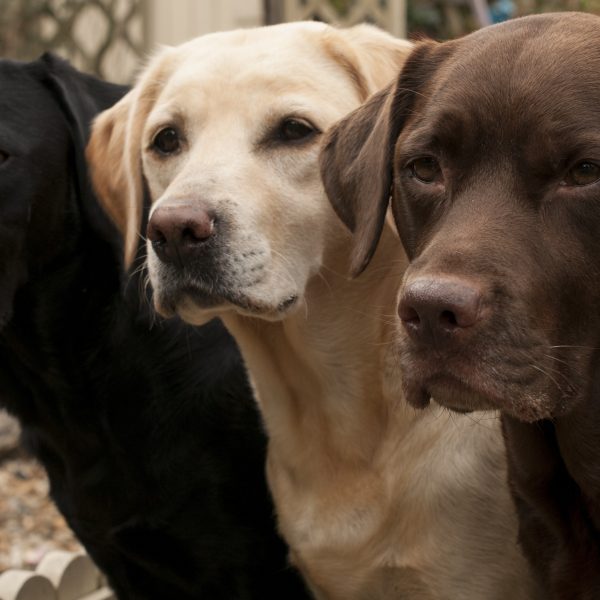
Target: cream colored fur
{"x":376,"y":500}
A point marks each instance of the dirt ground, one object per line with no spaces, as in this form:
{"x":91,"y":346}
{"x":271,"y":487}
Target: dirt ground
{"x":30,"y":525}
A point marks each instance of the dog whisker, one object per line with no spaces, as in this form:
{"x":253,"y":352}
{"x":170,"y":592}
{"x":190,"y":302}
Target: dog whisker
{"x":574,"y":347}
{"x":564,"y":362}
{"x":544,"y":372}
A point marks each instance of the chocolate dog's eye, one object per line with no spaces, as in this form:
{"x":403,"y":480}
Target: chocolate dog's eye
{"x":293,"y":130}
{"x":166,"y":141}
{"x":426,"y":169}
{"x":583,"y":173}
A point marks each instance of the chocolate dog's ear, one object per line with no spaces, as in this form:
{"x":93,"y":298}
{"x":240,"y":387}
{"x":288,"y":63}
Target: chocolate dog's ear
{"x":356,"y":172}
{"x":114,"y":153}
{"x":357,"y":155}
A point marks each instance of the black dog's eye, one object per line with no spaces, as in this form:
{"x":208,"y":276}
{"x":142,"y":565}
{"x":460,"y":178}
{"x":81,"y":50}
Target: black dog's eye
{"x":3,"y":157}
{"x":583,"y":173}
{"x":294,"y":130}
{"x":167,"y":141}
{"x":426,"y":169}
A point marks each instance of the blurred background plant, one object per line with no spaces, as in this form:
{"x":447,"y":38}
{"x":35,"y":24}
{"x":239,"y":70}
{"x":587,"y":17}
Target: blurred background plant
{"x":446,"y":19}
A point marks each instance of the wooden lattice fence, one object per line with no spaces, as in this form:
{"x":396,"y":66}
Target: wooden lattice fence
{"x":105,"y":37}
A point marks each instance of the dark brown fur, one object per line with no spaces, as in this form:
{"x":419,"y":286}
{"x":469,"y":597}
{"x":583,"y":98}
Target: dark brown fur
{"x":507,"y":112}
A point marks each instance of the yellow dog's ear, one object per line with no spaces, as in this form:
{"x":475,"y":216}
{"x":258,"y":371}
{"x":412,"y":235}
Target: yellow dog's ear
{"x":114,"y":153}
{"x":370,"y":56}
{"x":115,"y":172}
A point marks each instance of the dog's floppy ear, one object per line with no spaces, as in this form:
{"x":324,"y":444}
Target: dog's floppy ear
{"x":81,"y":97}
{"x":114,"y":153}
{"x":357,"y":155}
{"x":370,"y":56}
{"x":115,"y":170}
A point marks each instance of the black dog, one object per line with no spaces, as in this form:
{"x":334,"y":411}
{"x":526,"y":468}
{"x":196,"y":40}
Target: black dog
{"x":490,"y":146}
{"x":148,"y":430}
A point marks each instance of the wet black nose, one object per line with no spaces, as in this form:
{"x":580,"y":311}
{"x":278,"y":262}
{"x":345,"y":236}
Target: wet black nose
{"x":433,"y":310}
{"x":179,"y":233}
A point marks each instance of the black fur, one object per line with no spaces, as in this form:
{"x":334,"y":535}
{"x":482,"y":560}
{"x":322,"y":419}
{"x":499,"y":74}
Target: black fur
{"x":147,"y":429}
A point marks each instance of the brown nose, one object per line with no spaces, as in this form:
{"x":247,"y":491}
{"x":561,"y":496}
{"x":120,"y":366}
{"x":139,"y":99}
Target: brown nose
{"x":178,"y":233}
{"x":434,"y":310}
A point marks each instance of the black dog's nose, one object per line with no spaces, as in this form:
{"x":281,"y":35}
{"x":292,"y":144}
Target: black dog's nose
{"x":432,"y":308}
{"x":177,"y":233}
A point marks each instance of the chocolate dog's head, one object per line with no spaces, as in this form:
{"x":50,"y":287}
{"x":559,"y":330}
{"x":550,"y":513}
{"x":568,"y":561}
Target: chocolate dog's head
{"x":490,"y":148}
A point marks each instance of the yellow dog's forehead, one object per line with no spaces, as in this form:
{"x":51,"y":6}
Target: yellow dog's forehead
{"x":274,"y":65}
{"x":300,"y":34}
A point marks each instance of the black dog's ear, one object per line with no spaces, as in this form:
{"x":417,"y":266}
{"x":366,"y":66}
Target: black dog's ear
{"x":81,"y":97}
{"x":357,"y":155}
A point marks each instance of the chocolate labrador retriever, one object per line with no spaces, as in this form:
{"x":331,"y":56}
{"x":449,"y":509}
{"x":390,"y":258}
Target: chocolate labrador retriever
{"x":147,"y":430}
{"x":490,"y":146}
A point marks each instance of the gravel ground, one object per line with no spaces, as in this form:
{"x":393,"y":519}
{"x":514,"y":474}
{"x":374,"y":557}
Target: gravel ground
{"x":30,"y":525}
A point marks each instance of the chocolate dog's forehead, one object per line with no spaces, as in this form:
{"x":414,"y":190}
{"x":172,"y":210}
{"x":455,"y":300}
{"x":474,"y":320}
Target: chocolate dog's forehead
{"x":539,"y":35}
{"x":523,"y":56}
{"x":536,"y":74}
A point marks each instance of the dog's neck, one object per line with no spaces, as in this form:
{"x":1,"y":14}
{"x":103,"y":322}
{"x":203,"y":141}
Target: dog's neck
{"x":320,"y":374}
{"x":349,"y":462}
{"x":570,"y":444}
{"x":71,"y":310}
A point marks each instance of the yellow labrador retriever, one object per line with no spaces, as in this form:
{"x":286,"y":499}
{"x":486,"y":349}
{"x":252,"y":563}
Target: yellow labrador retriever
{"x":376,"y":501}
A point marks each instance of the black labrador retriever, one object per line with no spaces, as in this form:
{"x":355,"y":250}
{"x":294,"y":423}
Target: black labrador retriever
{"x":147,"y":429}
{"x":490,"y":148}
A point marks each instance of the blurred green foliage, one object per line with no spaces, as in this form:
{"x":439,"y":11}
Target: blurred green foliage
{"x":341,"y":6}
{"x":444,"y":19}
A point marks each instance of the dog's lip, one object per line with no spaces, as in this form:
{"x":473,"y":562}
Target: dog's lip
{"x":210,"y":300}
{"x":451,"y":391}
{"x":445,"y":388}
{"x":464,"y":387}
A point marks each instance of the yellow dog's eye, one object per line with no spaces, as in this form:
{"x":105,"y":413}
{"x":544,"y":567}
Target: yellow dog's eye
{"x":426,"y":169}
{"x":167,"y":141}
{"x":293,"y":130}
{"x":583,"y":173}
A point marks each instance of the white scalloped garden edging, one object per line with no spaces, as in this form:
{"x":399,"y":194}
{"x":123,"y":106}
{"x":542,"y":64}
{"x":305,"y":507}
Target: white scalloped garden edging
{"x":59,"y":576}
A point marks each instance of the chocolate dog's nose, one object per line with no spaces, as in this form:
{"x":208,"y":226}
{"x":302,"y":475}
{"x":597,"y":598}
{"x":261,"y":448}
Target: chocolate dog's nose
{"x":431,"y":308}
{"x":177,"y":233}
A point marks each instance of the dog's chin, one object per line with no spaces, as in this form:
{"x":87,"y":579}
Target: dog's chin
{"x":198,"y":306}
{"x":449,"y":392}
{"x":459,"y":396}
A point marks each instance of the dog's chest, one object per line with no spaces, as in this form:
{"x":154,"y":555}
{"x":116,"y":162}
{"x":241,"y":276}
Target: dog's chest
{"x":355,"y":532}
